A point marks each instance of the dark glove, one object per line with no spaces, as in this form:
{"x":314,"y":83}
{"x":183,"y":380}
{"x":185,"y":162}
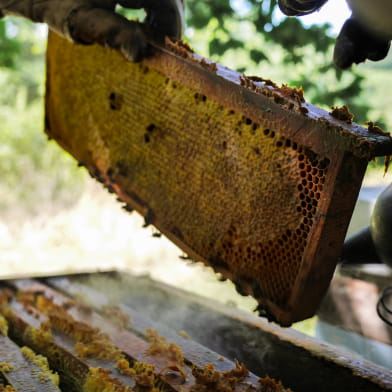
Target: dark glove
{"x":95,"y":21}
{"x":300,"y":7}
{"x":355,"y":44}
{"x":358,"y":40}
{"x":381,"y":227}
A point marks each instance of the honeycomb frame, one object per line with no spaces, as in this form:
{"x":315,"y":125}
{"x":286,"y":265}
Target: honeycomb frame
{"x":239,"y":173}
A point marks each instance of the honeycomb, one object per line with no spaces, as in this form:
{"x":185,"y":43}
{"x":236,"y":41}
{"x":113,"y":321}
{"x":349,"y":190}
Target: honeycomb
{"x":235,"y":170}
{"x":118,"y":359}
{"x":270,"y":262}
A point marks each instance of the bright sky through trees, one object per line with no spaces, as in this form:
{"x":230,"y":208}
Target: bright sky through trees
{"x":334,"y":12}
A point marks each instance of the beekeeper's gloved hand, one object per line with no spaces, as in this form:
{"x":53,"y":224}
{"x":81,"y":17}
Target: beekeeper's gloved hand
{"x":366,"y":35}
{"x":95,"y":21}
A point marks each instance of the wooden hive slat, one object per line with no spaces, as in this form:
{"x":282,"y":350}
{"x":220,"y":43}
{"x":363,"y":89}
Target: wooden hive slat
{"x":22,"y":374}
{"x":241,"y":174}
{"x":263,"y":347}
{"x":92,"y":351}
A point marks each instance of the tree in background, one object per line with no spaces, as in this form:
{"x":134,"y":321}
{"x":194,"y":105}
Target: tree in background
{"x":34,"y":173}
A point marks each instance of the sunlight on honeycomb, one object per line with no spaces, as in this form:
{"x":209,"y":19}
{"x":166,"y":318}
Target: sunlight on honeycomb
{"x":274,"y":260}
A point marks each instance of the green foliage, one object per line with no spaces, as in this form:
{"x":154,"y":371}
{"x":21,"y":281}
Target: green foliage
{"x":34,"y":173}
{"x":10,"y":48}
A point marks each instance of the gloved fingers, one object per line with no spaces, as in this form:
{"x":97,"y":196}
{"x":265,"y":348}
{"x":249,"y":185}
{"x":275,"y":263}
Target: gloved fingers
{"x":95,"y":25}
{"x":300,"y":7}
{"x":165,"y":17}
{"x":355,"y":44}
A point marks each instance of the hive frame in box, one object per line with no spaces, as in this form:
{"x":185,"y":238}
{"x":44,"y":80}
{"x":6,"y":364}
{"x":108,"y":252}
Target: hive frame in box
{"x":242,"y":175}
{"x":208,"y":332}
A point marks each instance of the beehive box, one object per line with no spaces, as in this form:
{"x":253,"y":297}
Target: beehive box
{"x":93,"y":328}
{"x":50,"y":342}
{"x":238,"y":172}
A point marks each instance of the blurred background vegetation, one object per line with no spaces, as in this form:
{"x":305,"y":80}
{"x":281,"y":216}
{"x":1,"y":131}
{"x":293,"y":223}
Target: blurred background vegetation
{"x":38,"y":179}
{"x":27,"y":160}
